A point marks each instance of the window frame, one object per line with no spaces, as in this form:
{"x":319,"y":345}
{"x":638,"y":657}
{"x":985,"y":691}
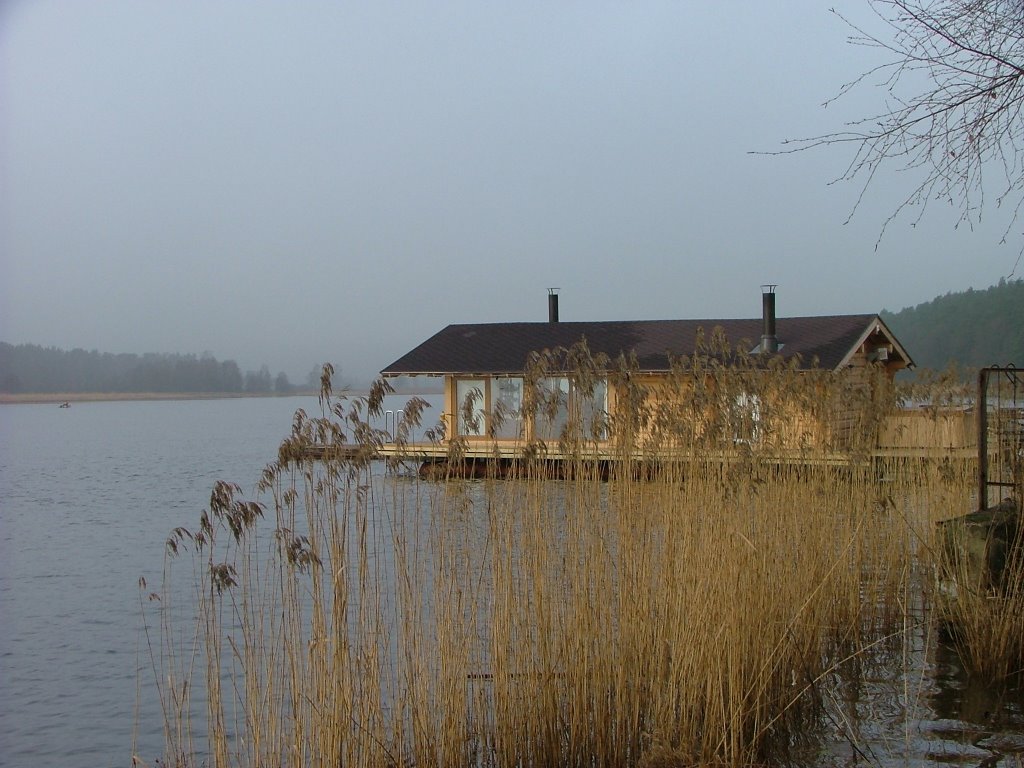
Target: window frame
{"x":584,"y":409}
{"x":490,"y":392}
{"x":528,"y":425}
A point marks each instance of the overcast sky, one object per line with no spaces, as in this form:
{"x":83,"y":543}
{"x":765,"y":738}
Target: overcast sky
{"x":293,"y":182}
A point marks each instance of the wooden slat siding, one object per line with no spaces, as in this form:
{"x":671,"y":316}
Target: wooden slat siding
{"x":856,"y":424}
{"x":846,"y":422}
{"x":787,"y":428}
{"x":923,"y":429}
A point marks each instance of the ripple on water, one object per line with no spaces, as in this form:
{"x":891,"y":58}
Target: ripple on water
{"x":86,"y":503}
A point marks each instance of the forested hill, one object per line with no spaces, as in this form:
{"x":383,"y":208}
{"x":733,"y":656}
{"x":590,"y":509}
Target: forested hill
{"x":31,"y":368}
{"x":972,"y":328}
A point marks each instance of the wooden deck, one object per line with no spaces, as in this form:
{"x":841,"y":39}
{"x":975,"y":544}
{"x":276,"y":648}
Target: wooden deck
{"x":482,"y":451}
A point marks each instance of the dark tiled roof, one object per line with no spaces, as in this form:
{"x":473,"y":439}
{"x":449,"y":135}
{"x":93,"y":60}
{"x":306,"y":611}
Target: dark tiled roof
{"x":495,"y":348}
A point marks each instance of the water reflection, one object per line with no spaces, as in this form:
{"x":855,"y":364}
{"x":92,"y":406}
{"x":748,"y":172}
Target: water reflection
{"x":968,"y":710}
{"x":908,"y":701}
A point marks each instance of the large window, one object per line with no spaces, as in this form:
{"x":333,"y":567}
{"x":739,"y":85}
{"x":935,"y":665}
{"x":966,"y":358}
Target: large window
{"x":594,"y":412}
{"x":552,"y":408}
{"x":490,"y":406}
{"x":563,"y":403}
{"x":506,"y":415}
{"x":470,"y":397}
{"x":493,"y":407}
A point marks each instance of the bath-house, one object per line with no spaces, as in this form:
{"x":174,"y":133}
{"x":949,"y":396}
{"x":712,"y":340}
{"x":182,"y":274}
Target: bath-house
{"x":482,"y":364}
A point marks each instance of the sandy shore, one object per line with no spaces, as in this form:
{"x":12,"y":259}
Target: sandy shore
{"x":93,"y":397}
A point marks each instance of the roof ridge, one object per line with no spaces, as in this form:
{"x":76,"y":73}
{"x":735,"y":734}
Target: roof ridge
{"x":849,"y":315}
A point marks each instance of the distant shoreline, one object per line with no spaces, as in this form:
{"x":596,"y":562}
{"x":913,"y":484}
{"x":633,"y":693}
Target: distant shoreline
{"x":98,"y":397}
{"x":56,"y":398}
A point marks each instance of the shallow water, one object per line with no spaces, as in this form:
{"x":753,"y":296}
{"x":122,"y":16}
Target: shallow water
{"x":910,"y":703}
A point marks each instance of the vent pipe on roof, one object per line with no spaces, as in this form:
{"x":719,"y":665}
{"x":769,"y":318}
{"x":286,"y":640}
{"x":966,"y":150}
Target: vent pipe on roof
{"x":552,"y":305}
{"x":769,"y":341}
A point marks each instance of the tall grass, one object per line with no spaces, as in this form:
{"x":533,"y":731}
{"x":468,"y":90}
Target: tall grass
{"x":981,"y":583}
{"x":683,"y":612}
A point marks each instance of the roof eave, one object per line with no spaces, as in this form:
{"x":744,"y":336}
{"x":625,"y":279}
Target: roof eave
{"x":395,"y":374}
{"x":876,"y":324}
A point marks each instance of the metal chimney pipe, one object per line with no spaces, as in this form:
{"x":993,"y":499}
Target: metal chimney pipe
{"x":552,"y":305}
{"x":769,"y":341}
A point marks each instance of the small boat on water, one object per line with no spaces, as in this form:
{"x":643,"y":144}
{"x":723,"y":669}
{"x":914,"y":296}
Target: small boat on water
{"x":65,"y":404}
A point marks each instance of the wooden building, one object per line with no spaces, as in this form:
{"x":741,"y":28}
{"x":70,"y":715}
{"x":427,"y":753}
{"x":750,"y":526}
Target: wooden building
{"x":490,"y":401}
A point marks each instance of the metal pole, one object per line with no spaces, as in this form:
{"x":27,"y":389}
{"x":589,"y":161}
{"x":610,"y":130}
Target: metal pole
{"x":982,"y":406}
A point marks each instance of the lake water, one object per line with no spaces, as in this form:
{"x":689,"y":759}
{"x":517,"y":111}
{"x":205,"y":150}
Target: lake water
{"x":88,"y":495}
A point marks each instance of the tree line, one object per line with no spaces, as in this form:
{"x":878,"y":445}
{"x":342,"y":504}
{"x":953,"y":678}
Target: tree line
{"x":36,"y":369}
{"x":971,"y":328}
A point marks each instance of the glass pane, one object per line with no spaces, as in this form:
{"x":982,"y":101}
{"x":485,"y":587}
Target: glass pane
{"x":469,"y":400}
{"x":553,"y":408}
{"x":746,"y":418}
{"x":594,"y":412}
{"x":507,"y":394}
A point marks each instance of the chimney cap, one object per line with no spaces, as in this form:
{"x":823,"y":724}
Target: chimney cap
{"x":769,"y":287}
{"x":552,"y":291}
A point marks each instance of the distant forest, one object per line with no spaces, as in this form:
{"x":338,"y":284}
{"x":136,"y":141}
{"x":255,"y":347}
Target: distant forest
{"x":35,"y":369}
{"x":971,"y":329}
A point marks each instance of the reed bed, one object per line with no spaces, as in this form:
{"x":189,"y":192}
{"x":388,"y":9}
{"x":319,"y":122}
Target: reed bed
{"x":683,"y":611}
{"x":981,"y":591}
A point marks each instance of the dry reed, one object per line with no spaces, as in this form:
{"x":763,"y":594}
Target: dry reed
{"x":683,"y":612}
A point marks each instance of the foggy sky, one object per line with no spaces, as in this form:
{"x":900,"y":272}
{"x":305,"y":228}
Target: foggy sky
{"x":289,"y":183}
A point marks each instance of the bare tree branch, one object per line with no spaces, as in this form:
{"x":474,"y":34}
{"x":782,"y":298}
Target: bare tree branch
{"x":953,"y":92}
